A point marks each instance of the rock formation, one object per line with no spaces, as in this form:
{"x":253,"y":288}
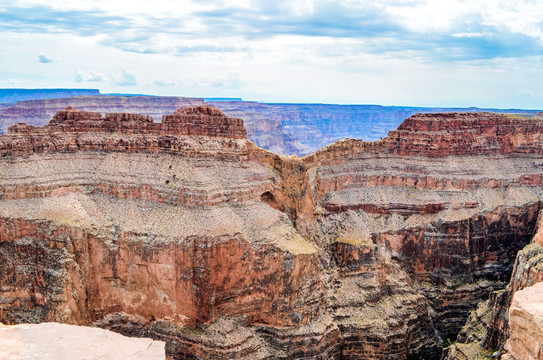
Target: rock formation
{"x":526,"y":325}
{"x":53,"y":341}
{"x":285,"y":129}
{"x":39,"y":112}
{"x":489,"y":325}
{"x":305,"y":128}
{"x":186,"y":232}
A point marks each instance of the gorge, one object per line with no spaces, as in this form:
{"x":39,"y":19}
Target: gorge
{"x":285,"y":129}
{"x":185,"y":231}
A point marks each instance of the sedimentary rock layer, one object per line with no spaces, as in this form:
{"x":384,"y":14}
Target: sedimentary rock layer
{"x":451,"y":221}
{"x":185,"y":231}
{"x":285,"y":129}
{"x":489,"y":325}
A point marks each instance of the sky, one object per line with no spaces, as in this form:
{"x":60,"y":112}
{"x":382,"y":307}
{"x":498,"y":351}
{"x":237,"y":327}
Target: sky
{"x":484,"y":53}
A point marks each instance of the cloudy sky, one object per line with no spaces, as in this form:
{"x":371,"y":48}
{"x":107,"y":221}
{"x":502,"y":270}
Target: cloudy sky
{"x":485,"y":53}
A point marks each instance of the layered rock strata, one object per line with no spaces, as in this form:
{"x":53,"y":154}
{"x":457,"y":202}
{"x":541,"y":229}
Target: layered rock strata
{"x":187,"y":232}
{"x":453,"y":223}
{"x":304,"y":128}
{"x":528,"y":271}
{"x":39,"y":112}
{"x":285,"y":129}
{"x":488,"y":327}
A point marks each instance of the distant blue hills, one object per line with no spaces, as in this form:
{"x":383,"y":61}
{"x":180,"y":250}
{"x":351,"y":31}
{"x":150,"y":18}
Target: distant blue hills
{"x":14,"y":95}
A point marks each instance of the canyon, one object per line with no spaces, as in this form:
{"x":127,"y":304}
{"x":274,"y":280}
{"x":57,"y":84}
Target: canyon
{"x":185,"y":231}
{"x":285,"y":129}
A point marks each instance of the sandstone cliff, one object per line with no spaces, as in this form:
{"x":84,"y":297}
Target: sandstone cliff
{"x":39,"y":112}
{"x":526,"y":325}
{"x":187,"y":232}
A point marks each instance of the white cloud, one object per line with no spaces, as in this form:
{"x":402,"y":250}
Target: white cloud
{"x":9,"y":82}
{"x":161,"y":82}
{"x":431,"y":52}
{"x":469,"y":35}
{"x":80,"y":76}
{"x":519,"y":17}
{"x":232,"y":81}
{"x":44,"y":59}
{"x":126,"y":78}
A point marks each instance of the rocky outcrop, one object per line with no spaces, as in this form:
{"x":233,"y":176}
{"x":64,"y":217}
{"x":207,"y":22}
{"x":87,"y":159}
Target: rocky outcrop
{"x":194,"y":121}
{"x":187,"y":232}
{"x":489,"y":326}
{"x":305,"y":128}
{"x":39,"y":112}
{"x":459,"y":134}
{"x":528,"y":271}
{"x":451,"y":223}
{"x":126,"y":204}
{"x":526,"y":324}
{"x":53,"y":341}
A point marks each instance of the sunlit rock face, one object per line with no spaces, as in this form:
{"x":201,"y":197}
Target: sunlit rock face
{"x":53,"y":341}
{"x":526,"y":324}
{"x":185,"y":231}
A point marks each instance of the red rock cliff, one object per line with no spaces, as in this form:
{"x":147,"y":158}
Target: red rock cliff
{"x":466,"y":133}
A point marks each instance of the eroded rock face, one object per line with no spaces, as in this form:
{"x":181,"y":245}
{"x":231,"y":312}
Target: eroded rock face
{"x":187,"y":232}
{"x":489,"y":326}
{"x":53,"y":341}
{"x":452,"y":223}
{"x":457,"y":134}
{"x":526,"y":324}
{"x":528,"y":271}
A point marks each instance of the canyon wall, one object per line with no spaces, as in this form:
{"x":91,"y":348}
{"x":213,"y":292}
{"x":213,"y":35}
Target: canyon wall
{"x":489,"y":326}
{"x":284,"y":129}
{"x":308,"y":127}
{"x":38,"y":112}
{"x":185,"y":231}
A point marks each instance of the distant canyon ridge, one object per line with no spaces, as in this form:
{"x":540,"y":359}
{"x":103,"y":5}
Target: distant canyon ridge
{"x":285,"y":129}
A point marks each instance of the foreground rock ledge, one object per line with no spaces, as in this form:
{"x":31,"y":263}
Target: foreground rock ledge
{"x":526,"y":325}
{"x":53,"y":341}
